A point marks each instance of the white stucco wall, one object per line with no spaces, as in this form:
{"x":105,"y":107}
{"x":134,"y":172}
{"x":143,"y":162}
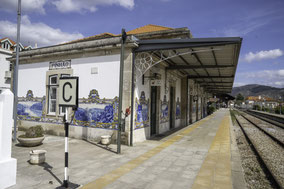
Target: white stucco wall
{"x":4,"y":66}
{"x":106,"y":81}
{"x":32,"y":77}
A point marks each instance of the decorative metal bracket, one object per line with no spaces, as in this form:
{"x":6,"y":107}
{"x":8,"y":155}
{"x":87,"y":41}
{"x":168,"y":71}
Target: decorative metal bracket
{"x":144,"y":61}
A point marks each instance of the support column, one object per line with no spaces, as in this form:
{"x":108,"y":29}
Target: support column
{"x":127,"y":90}
{"x":184,"y":102}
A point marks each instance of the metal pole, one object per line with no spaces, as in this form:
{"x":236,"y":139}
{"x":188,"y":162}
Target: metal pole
{"x":123,"y":38}
{"x":15,"y":75}
{"x":66,"y":126}
{"x":280,"y":105}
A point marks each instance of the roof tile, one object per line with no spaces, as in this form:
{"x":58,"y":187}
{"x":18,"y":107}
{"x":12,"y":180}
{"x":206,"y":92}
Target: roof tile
{"x":148,"y":28}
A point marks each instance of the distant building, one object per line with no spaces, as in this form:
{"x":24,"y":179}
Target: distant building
{"x":261,"y":101}
{"x":7,"y":47}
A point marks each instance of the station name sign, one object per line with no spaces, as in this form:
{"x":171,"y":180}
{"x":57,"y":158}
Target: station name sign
{"x":156,"y":83}
{"x":61,"y":64}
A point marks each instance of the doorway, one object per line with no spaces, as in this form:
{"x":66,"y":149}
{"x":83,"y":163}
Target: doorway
{"x":172,"y":107}
{"x":154,"y":109}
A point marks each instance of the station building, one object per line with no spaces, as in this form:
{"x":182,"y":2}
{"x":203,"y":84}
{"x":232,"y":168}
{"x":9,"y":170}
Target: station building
{"x":168,"y":78}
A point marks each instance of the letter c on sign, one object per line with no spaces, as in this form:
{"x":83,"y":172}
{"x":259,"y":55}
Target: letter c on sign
{"x":70,"y":97}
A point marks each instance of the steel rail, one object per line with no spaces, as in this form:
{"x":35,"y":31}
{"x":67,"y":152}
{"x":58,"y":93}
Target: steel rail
{"x":266,"y":118}
{"x":280,"y":143}
{"x":267,"y":170}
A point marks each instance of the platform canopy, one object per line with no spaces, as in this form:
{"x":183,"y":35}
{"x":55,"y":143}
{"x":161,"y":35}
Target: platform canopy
{"x":211,"y":62}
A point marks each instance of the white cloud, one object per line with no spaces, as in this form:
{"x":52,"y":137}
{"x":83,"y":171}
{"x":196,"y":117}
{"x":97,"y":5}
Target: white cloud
{"x":279,"y":83}
{"x":238,"y":84}
{"x":265,"y":77}
{"x":63,"y":5}
{"x":89,"y":5}
{"x":242,"y":29}
{"x":271,"y":54}
{"x":26,"y":5}
{"x":39,"y":33}
{"x":265,"y":74}
{"x":247,"y":23}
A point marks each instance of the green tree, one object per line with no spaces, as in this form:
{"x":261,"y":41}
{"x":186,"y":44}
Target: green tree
{"x":240,"y":97}
{"x":256,"y":107}
{"x":277,"y":110}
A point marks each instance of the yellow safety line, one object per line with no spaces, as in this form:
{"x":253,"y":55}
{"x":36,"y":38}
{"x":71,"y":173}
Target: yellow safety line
{"x":216,"y":168}
{"x":127,"y":167}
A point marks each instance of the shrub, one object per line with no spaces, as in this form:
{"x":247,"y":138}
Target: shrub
{"x":34,"y":132}
{"x":256,"y":107}
{"x":277,"y":110}
{"x":210,"y":110}
{"x":265,"y":109}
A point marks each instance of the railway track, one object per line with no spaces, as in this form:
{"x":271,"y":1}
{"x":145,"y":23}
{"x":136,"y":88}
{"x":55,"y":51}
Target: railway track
{"x":268,"y":149}
{"x":272,"y":119}
{"x":271,"y":129}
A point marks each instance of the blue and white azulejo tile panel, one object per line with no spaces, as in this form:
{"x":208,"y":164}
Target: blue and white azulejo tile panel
{"x":142,"y":112}
{"x":164,"y":117}
{"x":92,"y":111}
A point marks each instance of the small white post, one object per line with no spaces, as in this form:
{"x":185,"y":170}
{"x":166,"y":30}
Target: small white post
{"x":8,"y":165}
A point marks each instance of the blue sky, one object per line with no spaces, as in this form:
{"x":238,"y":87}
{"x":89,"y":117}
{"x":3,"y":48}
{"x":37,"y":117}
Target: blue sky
{"x":259,"y":22}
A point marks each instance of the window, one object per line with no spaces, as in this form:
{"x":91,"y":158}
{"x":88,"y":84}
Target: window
{"x":52,"y":84}
{"x":11,"y":67}
{"x":52,"y":94}
{"x":63,"y":109}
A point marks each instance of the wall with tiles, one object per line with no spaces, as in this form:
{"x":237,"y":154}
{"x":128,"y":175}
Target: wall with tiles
{"x":98,"y":91}
{"x":143,"y":102}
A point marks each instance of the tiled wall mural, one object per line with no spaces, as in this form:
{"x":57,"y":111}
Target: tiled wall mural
{"x":30,"y":108}
{"x":142,"y":112}
{"x":96,"y":112}
{"x":178,"y":108}
{"x":164,"y":110}
{"x":92,"y":111}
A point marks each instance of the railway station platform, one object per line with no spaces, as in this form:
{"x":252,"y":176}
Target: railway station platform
{"x":201,"y":155}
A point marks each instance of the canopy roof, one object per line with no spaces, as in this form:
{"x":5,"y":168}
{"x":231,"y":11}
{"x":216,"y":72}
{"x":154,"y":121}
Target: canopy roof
{"x":211,"y":62}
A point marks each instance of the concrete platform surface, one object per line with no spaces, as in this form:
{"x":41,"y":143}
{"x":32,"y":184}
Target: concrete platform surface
{"x":197,"y":156}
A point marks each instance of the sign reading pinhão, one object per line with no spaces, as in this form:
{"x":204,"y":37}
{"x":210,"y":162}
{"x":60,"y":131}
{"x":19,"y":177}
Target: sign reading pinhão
{"x":60,"y":64}
{"x":156,"y":82}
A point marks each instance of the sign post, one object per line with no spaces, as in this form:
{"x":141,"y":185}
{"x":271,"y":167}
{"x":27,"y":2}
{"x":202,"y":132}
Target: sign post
{"x":68,"y":97}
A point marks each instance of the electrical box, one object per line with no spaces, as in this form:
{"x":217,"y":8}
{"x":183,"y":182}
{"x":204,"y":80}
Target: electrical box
{"x":94,"y":70}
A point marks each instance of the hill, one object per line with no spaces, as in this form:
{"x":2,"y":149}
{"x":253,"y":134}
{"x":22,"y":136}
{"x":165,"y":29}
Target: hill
{"x":256,"y":90}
